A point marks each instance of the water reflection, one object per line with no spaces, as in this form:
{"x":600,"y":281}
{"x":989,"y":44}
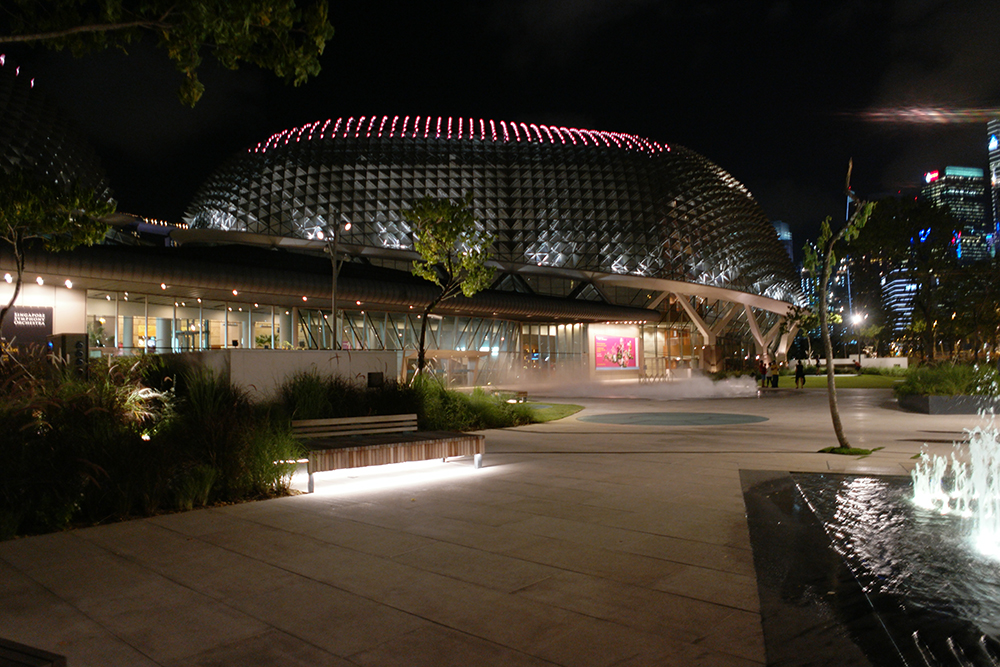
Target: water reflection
{"x":918,"y":557}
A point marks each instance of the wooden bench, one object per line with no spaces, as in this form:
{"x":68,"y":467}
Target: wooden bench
{"x":356,"y":442}
{"x":13,"y":654}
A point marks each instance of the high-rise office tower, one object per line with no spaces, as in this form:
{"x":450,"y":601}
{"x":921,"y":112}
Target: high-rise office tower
{"x":962,"y":190}
{"x":993,"y":146}
{"x":785,"y":236}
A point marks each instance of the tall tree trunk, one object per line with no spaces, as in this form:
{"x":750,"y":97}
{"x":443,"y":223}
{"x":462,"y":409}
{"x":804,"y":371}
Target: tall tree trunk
{"x":421,"y":351}
{"x":831,"y":383}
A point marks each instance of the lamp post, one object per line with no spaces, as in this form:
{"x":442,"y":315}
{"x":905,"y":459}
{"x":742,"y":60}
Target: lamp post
{"x":332,"y":247}
{"x":857,"y":318}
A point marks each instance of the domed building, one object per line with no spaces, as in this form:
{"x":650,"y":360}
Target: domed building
{"x":590,"y":226}
{"x":615,"y":256}
{"x":553,"y":197}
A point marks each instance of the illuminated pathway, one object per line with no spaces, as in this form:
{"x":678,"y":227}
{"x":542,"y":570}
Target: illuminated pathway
{"x":578,"y":544}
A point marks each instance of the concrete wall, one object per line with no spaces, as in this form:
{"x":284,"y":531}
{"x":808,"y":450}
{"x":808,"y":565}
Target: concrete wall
{"x":261,"y":372}
{"x":866,"y":362}
{"x":69,"y":306}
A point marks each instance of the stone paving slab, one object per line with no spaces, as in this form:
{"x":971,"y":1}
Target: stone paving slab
{"x":578,"y":544}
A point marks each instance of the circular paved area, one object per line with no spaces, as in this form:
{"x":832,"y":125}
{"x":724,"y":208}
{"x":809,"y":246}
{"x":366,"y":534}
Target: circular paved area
{"x":673,"y":418}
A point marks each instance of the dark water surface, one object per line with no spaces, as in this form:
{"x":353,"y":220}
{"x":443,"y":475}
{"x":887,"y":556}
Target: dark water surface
{"x":850,"y":572}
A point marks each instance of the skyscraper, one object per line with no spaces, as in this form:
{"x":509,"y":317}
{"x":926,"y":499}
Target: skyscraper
{"x":962,"y":191}
{"x":993,"y":146}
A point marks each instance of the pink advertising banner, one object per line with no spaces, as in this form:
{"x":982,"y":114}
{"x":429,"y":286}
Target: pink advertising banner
{"x":615,"y":353}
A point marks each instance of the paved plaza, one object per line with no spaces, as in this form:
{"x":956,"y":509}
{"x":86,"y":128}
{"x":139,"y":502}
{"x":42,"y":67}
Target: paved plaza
{"x":579,"y":544}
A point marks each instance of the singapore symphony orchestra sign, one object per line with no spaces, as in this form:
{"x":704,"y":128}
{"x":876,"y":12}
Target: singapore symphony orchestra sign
{"x":27,"y":324}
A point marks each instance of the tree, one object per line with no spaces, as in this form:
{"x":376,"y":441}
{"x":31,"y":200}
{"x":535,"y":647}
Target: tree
{"x":870,"y":332}
{"x":273,"y":34}
{"x":57,"y":218}
{"x":821,"y":259}
{"x":806,"y":321}
{"x":453,"y":253}
{"x":914,"y":238}
{"x":971,"y":305}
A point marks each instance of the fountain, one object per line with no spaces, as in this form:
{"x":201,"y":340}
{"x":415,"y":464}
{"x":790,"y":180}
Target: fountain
{"x":905,"y":569}
{"x":969,"y":489}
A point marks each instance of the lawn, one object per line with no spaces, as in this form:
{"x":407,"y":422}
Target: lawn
{"x":845,"y":381}
{"x":546,"y":412}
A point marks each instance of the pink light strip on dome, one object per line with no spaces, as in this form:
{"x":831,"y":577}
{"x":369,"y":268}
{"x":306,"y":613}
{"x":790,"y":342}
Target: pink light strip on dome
{"x":466,"y":129}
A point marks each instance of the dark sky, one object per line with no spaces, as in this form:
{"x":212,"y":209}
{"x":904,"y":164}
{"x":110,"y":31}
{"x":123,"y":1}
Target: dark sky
{"x":774,"y":92}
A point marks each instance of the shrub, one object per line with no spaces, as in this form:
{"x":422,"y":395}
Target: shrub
{"x":73,"y":448}
{"x":116,"y":435}
{"x":216,"y":425}
{"x":446,"y":410}
{"x":894,"y":371}
{"x":162,"y":372}
{"x":950,"y":380}
{"x":192,"y":487}
{"x":307,"y":395}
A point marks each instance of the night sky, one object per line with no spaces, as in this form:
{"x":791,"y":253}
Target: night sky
{"x":776,"y":93}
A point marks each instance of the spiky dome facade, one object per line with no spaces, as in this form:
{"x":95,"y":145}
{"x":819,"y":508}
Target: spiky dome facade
{"x":553,"y":196}
{"x":37,"y":138}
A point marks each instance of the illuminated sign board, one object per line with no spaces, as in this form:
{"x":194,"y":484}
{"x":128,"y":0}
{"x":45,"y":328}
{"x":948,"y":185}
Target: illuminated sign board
{"x":931,"y":176}
{"x":615,"y":353}
{"x":965,"y":172}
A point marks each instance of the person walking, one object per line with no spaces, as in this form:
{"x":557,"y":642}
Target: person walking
{"x":773,"y":372}
{"x":800,"y":375}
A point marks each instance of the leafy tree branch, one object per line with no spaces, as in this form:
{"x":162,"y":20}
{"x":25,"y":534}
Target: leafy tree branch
{"x":453,"y":253}
{"x":278,"y":35}
{"x":55,"y":218}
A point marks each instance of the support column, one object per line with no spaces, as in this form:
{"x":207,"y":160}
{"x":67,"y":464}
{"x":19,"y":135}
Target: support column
{"x":758,"y":338}
{"x":128,"y":334}
{"x":786,"y":341}
{"x":285,"y":331}
{"x":164,"y":334}
{"x":708,"y":355}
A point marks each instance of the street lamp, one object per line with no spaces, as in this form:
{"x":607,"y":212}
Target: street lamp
{"x":857,"y":319}
{"x":332,"y":247}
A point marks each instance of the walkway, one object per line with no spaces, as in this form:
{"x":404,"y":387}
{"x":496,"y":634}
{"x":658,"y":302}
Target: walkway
{"x":580,"y":544}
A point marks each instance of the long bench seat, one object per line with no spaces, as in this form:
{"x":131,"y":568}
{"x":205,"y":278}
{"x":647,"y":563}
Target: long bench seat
{"x":355,"y":442}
